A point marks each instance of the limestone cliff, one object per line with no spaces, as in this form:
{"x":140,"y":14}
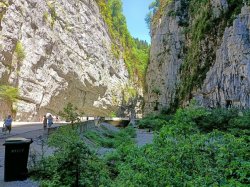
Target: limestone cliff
{"x":228,"y":80}
{"x":201,"y":50}
{"x":59,"y":51}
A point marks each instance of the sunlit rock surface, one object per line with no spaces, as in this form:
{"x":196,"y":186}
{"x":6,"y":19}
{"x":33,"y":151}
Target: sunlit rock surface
{"x":68,"y":58}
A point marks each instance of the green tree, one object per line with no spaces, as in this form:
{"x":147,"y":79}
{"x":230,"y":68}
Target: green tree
{"x":72,"y":164}
{"x":8,"y":93}
{"x":70,"y":113}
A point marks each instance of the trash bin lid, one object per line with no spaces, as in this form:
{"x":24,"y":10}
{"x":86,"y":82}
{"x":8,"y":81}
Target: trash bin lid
{"x":17,"y":140}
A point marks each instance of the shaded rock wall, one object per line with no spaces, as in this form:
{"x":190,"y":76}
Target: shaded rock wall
{"x":227,"y":82}
{"x":226,"y":78}
{"x":57,"y":52}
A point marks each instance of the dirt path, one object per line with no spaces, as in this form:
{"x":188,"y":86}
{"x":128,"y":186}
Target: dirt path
{"x":144,"y":137}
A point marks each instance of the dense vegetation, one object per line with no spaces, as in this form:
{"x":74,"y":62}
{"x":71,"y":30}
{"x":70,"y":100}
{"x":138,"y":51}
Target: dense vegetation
{"x":193,"y":147}
{"x":74,"y":162}
{"x":133,"y":51}
{"x":156,"y":11}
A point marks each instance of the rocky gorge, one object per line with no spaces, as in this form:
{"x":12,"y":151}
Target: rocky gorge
{"x":56,"y":52}
{"x":200,"y":50}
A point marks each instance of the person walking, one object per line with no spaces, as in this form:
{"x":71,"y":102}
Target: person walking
{"x":50,"y":120}
{"x":45,"y":122}
{"x":7,"y":123}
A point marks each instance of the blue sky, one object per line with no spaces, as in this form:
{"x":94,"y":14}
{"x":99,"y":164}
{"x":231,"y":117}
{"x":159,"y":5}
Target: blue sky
{"x":135,"y":12}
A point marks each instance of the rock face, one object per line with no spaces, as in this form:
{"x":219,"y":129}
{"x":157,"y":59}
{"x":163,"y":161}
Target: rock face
{"x":57,"y":52}
{"x":226,"y":81}
{"x":166,"y":51}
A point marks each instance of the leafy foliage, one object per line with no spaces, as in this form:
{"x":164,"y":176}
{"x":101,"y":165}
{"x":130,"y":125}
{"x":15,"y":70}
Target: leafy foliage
{"x":182,"y":154}
{"x":157,"y":9}
{"x":110,"y":139}
{"x":73,"y":164}
{"x":70,"y":113}
{"x":195,"y":147}
{"x":99,"y":139}
{"x":112,"y":114}
{"x":9,"y":93}
{"x":154,"y":122}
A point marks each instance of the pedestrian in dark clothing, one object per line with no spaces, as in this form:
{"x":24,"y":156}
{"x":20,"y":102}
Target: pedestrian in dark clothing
{"x":45,"y":122}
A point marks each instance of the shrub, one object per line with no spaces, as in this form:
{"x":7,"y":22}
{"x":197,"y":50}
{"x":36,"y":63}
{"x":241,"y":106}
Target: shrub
{"x":217,"y":119}
{"x":154,"y":122}
{"x":9,"y":93}
{"x":20,"y":51}
{"x":112,"y":114}
{"x":70,"y":113}
{"x":99,"y":139}
{"x":73,"y":164}
{"x":183,"y":156}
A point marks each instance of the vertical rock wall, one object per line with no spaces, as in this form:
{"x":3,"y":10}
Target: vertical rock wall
{"x":59,"y":51}
{"x":165,"y":60}
{"x":228,"y":81}
{"x":227,"y":74}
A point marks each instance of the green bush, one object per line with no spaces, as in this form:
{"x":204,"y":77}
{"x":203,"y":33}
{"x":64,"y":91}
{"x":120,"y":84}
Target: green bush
{"x":241,"y":121}
{"x":240,"y":125}
{"x":70,"y":113}
{"x":73,"y":164}
{"x":196,"y":147}
{"x":99,"y":139}
{"x":20,"y":53}
{"x":216,"y":119}
{"x":154,"y":122}
{"x":110,"y":139}
{"x":8,"y":93}
{"x":130,"y":131}
{"x":182,"y":155}
{"x":124,"y":137}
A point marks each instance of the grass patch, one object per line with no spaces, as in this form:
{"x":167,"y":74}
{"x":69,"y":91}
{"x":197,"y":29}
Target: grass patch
{"x":110,"y":139}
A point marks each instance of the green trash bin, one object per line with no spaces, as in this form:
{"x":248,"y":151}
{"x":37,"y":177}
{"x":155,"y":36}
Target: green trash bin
{"x":16,"y":158}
